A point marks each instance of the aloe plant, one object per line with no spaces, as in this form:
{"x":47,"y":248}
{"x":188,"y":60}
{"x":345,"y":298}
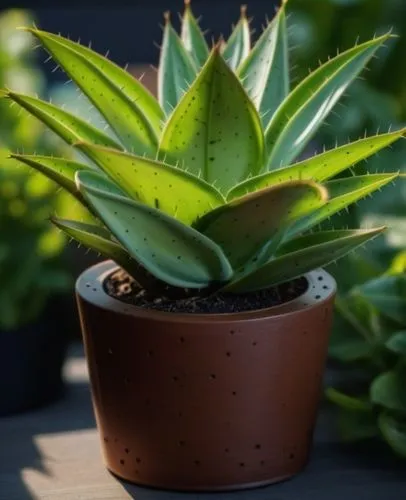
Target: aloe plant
{"x":202,"y":189}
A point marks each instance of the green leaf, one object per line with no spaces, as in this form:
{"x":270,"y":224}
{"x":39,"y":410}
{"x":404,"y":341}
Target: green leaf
{"x":98,"y":181}
{"x":357,"y":426}
{"x":129,"y":108}
{"x":265,"y":72}
{"x":349,"y":350}
{"x":348,"y":402}
{"x":397,"y":343}
{"x":388,"y":295}
{"x":388,"y":390}
{"x":168,"y":249}
{"x":302,"y":255}
{"x":394,"y":433}
{"x":343,"y":192}
{"x":98,"y":239}
{"x":176,"y":69}
{"x":215,"y":131}
{"x":192,"y":37}
{"x":60,"y":170}
{"x":398,"y":264}
{"x":158,"y":185}
{"x":238,"y":45}
{"x":351,"y":338}
{"x":319,"y":167}
{"x":247,"y":220}
{"x":67,"y":126}
{"x":304,"y":110}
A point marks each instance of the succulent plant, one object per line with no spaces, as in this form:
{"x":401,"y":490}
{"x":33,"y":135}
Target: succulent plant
{"x":201,"y":189}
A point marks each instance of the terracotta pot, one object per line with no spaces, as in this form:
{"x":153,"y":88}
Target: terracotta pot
{"x":205,"y":402}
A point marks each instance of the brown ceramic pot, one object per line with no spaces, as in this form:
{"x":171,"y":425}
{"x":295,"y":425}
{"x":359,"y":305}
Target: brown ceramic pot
{"x":205,"y":402}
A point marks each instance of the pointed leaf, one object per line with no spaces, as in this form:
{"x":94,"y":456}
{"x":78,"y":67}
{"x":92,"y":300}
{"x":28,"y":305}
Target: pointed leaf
{"x":98,"y":181}
{"x":302,"y":255}
{"x":238,"y":45}
{"x":343,"y":192}
{"x":98,"y":239}
{"x":60,"y":170}
{"x":388,"y":295}
{"x":304,"y":110}
{"x":170,"y":250}
{"x":320,"y":167}
{"x":397,"y":343}
{"x":215,"y":130}
{"x":394,"y":432}
{"x":265,"y":72}
{"x":176,"y":69}
{"x":70,"y":128}
{"x":192,"y":37}
{"x":243,"y":226}
{"x":348,"y":402}
{"x":129,"y":108}
{"x":158,"y":185}
{"x":388,"y":390}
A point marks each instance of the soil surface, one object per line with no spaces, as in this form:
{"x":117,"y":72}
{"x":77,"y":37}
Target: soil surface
{"x":121,"y":286}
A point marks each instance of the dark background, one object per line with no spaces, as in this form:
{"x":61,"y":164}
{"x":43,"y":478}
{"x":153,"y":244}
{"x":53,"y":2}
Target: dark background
{"x":127,"y":28}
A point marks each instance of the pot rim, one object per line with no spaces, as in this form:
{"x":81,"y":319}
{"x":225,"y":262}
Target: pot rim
{"x":90,"y":287}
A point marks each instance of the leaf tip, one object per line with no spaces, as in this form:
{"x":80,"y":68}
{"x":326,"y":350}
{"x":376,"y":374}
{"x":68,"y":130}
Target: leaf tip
{"x":24,"y":28}
{"x":217,"y":46}
{"x":243,"y":11}
{"x":167,"y":17}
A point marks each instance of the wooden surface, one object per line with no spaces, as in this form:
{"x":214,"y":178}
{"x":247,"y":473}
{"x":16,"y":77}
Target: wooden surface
{"x":53,"y":454}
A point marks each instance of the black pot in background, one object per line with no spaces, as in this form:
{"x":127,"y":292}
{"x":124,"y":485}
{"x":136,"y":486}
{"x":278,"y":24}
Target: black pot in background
{"x":31,"y":360}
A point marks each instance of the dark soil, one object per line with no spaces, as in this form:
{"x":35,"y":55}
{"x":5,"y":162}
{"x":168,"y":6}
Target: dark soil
{"x":121,"y":286}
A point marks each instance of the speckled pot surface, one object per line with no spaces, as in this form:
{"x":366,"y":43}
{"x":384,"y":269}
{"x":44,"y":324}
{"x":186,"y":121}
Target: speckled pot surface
{"x":205,"y":402}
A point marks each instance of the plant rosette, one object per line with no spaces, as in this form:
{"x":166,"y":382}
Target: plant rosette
{"x":206,"y":345}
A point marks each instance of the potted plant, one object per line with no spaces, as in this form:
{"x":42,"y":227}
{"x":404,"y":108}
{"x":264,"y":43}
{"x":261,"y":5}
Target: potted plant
{"x":32,"y":267}
{"x":206,"y":332}
{"x":369,"y":343}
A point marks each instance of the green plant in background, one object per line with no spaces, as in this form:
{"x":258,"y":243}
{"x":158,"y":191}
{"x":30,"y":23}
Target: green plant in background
{"x":30,"y":249}
{"x":370,"y":336}
{"x":199,"y":189}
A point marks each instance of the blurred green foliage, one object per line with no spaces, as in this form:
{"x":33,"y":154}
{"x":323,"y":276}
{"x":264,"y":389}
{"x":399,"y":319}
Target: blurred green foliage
{"x":32,"y":265}
{"x":370,"y":335}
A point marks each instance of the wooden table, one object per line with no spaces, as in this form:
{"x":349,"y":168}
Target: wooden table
{"x":53,"y":454}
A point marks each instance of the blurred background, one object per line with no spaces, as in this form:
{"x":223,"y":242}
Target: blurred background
{"x":38,"y":267}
